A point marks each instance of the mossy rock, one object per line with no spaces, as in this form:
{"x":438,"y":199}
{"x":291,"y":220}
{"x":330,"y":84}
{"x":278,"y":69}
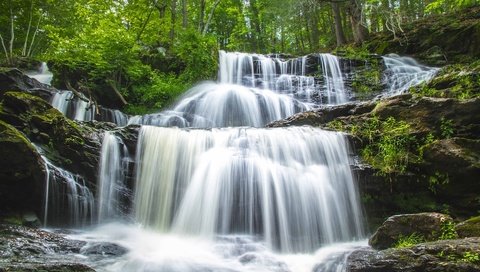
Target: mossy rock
{"x":427,"y":225}
{"x":64,"y":141}
{"x":21,"y":171}
{"x":469,"y":228}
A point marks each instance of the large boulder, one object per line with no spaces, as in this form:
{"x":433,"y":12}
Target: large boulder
{"x":469,"y":228}
{"x":438,"y":256}
{"x":21,"y":172}
{"x":68,"y":144}
{"x":429,"y":226}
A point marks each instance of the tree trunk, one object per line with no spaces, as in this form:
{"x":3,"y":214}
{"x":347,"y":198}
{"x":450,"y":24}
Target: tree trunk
{"x":201,"y":16}
{"x":24,"y":51}
{"x":338,"y":25}
{"x":184,"y":14}
{"x":173,"y":19}
{"x":210,"y":16}
{"x":360,"y":32}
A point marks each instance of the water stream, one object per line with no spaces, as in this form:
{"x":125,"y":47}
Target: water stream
{"x":214,"y":191}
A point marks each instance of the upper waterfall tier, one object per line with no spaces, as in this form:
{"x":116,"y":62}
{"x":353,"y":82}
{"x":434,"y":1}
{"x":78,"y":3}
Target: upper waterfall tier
{"x":292,"y":186}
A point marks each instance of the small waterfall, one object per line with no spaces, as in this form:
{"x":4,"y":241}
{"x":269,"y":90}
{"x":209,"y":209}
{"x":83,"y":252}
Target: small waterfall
{"x":224,"y":105}
{"x":291,"y":186}
{"x":334,"y":86}
{"x":73,"y":107}
{"x":68,"y":201}
{"x":43,"y":75}
{"x":401,"y":73}
{"x":113,"y":192}
{"x":113,"y":116}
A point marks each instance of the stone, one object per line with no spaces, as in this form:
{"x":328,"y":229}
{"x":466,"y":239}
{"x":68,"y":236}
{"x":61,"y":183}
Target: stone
{"x":427,"y":225}
{"x":438,"y":256}
{"x":469,"y":228}
{"x":21,"y":172}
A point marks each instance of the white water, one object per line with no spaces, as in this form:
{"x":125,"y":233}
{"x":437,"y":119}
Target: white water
{"x":73,"y":107}
{"x":291,"y":186}
{"x":43,"y":75}
{"x":237,"y":198}
{"x":68,"y":201}
{"x":404,"y":72}
{"x":112,"y":188}
{"x":160,"y":252}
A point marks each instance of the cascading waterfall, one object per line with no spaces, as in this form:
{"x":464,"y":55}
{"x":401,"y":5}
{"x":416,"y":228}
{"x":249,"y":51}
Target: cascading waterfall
{"x":84,"y":110}
{"x":291,"y":186}
{"x":334,"y":86}
{"x":401,"y":73}
{"x":68,"y":201}
{"x":112,"y":190}
{"x":73,"y":107}
{"x":43,"y":75}
{"x":235,"y":196}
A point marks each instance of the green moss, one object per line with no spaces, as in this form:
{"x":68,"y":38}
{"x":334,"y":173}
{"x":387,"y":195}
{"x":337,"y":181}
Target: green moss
{"x":409,"y":240}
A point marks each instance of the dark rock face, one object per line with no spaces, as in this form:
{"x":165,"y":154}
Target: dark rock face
{"x":21,"y":172}
{"x":469,"y":228}
{"x":439,"y":256}
{"x":12,"y":79}
{"x":73,"y":146}
{"x":25,"y":249}
{"x":428,"y":225}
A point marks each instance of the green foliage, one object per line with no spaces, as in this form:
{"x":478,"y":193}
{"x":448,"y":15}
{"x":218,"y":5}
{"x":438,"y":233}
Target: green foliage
{"x":471,"y":257}
{"x":408,"y":241}
{"x":436,"y":180}
{"x":453,"y":81}
{"x":352,"y":52}
{"x":389,"y":142}
{"x":446,"y":128}
{"x":448,"y":231}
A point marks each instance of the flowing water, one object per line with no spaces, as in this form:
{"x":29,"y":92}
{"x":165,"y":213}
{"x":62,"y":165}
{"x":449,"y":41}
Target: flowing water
{"x":43,"y":75}
{"x":401,"y":73}
{"x":213,"y":191}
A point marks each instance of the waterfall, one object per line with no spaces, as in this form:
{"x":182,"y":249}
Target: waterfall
{"x":292,"y":186}
{"x":68,"y":201}
{"x":112,"y":188}
{"x":43,"y":75}
{"x":334,"y":86}
{"x":401,"y":73}
{"x":84,"y":110}
{"x":73,"y":107}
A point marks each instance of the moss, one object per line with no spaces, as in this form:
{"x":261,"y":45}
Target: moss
{"x":469,"y":228}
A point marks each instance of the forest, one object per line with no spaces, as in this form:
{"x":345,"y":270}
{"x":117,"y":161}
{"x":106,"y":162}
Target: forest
{"x":150,"y":51}
{"x":240,"y":135}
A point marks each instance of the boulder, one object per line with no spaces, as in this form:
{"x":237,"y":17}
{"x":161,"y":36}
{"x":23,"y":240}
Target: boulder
{"x":27,"y":249}
{"x":438,"y":256}
{"x":427,"y":225}
{"x":21,"y":172}
{"x":12,"y":79}
{"x":71,"y":145}
{"x":469,"y":228}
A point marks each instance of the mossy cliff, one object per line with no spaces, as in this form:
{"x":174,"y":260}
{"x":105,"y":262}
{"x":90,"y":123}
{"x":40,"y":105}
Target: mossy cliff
{"x":436,"y":39}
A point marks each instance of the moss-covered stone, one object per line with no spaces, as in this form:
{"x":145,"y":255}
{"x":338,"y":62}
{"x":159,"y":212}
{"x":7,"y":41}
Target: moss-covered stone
{"x":21,"y":172}
{"x":438,"y":256}
{"x":469,"y":228}
{"x":71,"y":145}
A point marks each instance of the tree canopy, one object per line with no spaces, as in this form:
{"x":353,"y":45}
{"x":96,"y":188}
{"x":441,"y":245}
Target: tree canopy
{"x":151,"y":50}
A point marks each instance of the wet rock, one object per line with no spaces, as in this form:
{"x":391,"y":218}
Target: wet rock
{"x":21,"y":172}
{"x":12,"y":79}
{"x":70,"y":145}
{"x":427,"y":225}
{"x":469,"y":228}
{"x":438,"y":256}
{"x":103,"y":249}
{"x":27,"y":249}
